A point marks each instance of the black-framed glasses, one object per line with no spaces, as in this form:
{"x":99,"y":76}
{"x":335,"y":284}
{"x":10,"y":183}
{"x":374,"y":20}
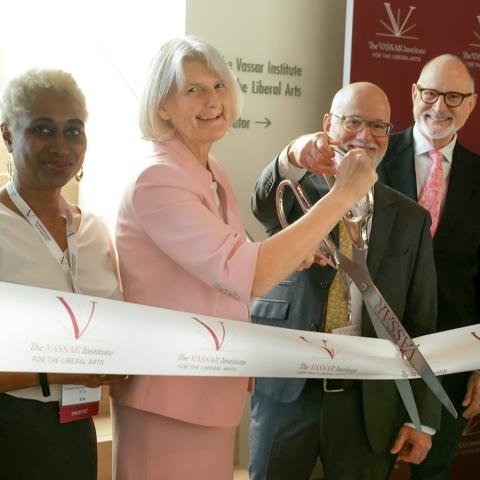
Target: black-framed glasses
{"x":355,"y":124}
{"x":451,"y":99}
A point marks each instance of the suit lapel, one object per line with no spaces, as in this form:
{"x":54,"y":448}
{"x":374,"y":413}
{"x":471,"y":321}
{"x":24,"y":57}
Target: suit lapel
{"x":460,"y":187}
{"x":382,"y":222}
{"x":400,"y":165}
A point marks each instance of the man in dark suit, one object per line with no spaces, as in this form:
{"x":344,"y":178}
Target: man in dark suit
{"x":353,"y":426}
{"x":443,"y":98}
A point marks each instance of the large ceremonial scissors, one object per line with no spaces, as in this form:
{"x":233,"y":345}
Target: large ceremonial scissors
{"x":385,"y":322}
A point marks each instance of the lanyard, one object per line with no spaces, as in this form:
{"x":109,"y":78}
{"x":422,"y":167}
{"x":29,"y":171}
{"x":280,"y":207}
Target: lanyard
{"x":68,"y":262}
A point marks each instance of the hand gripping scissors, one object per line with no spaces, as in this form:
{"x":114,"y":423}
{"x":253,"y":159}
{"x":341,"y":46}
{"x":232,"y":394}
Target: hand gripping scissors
{"x":385,"y":322}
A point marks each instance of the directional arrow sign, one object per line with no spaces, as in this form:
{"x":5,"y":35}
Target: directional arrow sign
{"x":267,"y":122}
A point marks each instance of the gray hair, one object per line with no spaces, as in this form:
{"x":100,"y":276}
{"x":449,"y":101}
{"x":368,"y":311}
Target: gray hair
{"x":22,"y":91}
{"x":166,"y":76}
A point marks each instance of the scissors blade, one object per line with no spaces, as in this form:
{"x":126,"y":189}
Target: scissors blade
{"x":393,"y":327}
{"x":403,"y":386}
{"x":405,"y":390}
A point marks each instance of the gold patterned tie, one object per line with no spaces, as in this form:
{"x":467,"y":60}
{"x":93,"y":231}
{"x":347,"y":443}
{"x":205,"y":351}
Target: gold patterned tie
{"x":338,"y":309}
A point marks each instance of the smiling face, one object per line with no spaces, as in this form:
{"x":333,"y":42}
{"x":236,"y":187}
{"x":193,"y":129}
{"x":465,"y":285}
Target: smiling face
{"x":368,"y":102}
{"x":438,"y":122}
{"x":201,"y":110}
{"x":48,"y":142}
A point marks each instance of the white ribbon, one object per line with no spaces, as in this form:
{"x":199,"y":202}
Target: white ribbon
{"x":52,"y":331}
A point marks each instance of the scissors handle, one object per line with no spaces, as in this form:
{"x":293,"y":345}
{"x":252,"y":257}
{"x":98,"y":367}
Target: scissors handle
{"x":327,"y":246}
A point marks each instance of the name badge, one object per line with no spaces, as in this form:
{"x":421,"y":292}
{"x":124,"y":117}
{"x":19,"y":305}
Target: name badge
{"x":79,"y":402}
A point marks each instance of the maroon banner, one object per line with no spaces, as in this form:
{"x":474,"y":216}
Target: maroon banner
{"x":387,"y":43}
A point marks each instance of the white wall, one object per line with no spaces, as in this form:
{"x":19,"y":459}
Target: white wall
{"x":107,"y":46}
{"x":305,"y":33}
{"x":126,"y":37}
{"x":3,"y":150}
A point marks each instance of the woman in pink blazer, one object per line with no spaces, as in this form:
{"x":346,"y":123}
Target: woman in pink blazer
{"x":182,"y":246}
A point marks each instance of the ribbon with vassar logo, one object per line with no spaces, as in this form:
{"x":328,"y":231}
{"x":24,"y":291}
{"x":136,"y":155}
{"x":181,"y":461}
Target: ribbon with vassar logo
{"x":52,"y":331}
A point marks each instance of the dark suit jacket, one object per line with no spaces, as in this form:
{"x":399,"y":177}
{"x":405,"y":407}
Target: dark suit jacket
{"x":400,"y":260}
{"x":457,"y":241}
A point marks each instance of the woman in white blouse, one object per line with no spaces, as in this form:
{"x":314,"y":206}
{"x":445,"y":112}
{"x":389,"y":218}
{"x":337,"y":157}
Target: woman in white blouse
{"x":46,"y":242}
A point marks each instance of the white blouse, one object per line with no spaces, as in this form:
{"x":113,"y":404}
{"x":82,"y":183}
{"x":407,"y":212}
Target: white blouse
{"x":25,"y":259}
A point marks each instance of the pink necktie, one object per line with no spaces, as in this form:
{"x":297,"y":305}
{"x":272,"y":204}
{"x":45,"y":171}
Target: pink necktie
{"x":432,"y":192}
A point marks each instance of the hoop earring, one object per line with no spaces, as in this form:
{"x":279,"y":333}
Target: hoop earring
{"x":79,"y":175}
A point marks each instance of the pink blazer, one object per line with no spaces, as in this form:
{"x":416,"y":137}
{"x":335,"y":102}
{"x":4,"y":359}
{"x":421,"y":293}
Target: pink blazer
{"x":177,"y":252}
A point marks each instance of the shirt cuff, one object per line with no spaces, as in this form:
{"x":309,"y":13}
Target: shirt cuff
{"x":425,"y":429}
{"x":288,"y":171}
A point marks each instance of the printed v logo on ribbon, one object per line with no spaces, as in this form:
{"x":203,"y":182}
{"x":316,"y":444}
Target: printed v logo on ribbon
{"x":218,"y":342}
{"x":76,"y":330}
{"x":329,"y":350}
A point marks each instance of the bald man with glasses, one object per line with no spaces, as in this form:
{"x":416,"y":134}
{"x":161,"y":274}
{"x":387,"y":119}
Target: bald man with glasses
{"x":443,"y":98}
{"x":356,"y":428}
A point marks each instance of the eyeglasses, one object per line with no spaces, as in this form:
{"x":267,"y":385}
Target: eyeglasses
{"x":451,"y":99}
{"x":356,"y":124}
